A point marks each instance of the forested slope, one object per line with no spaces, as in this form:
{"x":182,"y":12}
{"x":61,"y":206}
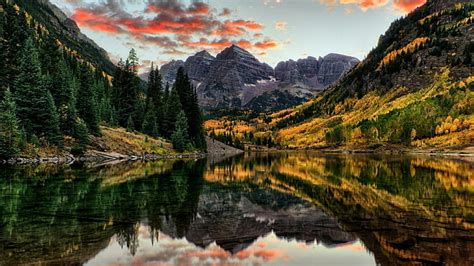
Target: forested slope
{"x":415,"y":89}
{"x":58,"y":90}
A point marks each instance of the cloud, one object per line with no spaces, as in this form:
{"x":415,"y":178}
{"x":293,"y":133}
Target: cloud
{"x":267,"y":44}
{"x":225,"y":12}
{"x":400,"y":5}
{"x":362,"y":4}
{"x":94,"y":21}
{"x":281,"y":25}
{"x":407,"y":5}
{"x":172,"y":25}
{"x":174,"y":8}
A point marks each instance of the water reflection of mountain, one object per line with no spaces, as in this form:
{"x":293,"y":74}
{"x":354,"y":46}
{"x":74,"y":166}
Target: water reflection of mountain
{"x":404,"y":210}
{"x":235,"y":220}
{"x":62,"y":215}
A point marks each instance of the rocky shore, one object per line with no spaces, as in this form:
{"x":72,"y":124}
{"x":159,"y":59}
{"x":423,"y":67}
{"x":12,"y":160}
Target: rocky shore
{"x":215,"y":148}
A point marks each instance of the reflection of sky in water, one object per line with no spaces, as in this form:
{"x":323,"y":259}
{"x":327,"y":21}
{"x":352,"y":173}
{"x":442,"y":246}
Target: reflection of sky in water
{"x":268,"y":250}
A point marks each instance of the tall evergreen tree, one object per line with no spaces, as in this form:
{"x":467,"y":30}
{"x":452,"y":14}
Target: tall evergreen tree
{"x":189,"y":101}
{"x":9,"y":134}
{"x":3,"y":56}
{"x":180,"y":136}
{"x":130,"y":124}
{"x":173,"y":107}
{"x":149,"y":124}
{"x":86,"y":105}
{"x":155,"y":93}
{"x":30,"y":93}
{"x":81,"y":134}
{"x":51,"y":124}
{"x":163,"y":124}
{"x":126,"y":90}
{"x":15,"y":34}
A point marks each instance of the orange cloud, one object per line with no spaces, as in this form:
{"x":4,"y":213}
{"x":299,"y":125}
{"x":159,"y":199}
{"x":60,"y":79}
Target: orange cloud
{"x":268,"y":254}
{"x":252,"y":25}
{"x":176,"y":28}
{"x":211,"y":253}
{"x":267,"y":44}
{"x":97,"y":22}
{"x":362,"y":4}
{"x":243,"y":254}
{"x":401,"y":5}
{"x":407,"y":5}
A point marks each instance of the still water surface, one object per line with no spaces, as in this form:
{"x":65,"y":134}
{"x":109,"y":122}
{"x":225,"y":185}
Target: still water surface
{"x":254,"y":209}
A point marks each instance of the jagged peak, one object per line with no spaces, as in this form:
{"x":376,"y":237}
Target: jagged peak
{"x":234,"y":51}
{"x":335,"y":56}
{"x":203,"y":53}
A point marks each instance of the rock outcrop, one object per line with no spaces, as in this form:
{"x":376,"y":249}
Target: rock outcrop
{"x":317,"y":74}
{"x":198,"y":65}
{"x":250,"y":215}
{"x":233,"y":70}
{"x":168,"y":71}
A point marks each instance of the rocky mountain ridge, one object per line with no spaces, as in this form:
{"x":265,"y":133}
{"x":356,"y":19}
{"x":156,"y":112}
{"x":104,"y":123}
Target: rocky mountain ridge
{"x":236,"y":79}
{"x":315,"y":73}
{"x":67,"y":31}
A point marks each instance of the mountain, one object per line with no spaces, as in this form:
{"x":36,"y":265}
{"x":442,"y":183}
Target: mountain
{"x":315,"y":73}
{"x":230,"y":75}
{"x":67,"y":31}
{"x":199,"y":65}
{"x":168,"y":71}
{"x":250,"y":215}
{"x":236,"y":79}
{"x":415,"y":89}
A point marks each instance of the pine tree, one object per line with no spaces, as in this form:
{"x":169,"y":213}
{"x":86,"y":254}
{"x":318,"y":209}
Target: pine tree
{"x":126,"y":90}
{"x":155,"y":93}
{"x":16,"y":32}
{"x":163,"y":124}
{"x":68,"y":122}
{"x":3,"y":56}
{"x":173,"y":108}
{"x":130,"y":124}
{"x":51,"y":123}
{"x":9,"y":134}
{"x":30,"y":93}
{"x":189,"y":101}
{"x":149,"y":123}
{"x":86,"y":105}
{"x":81,"y":134}
{"x":180,"y":136}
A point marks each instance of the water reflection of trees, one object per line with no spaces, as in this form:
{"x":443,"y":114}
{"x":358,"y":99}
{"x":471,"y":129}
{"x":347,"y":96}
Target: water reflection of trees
{"x":406,"y":210}
{"x":62,"y":214}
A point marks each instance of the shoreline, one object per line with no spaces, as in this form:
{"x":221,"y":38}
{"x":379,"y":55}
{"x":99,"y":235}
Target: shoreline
{"x":96,"y":156}
{"x":70,"y":159}
{"x":366,"y":152}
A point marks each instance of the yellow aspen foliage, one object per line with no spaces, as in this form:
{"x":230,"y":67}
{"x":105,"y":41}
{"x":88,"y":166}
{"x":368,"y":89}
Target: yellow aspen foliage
{"x":357,"y":134}
{"x":413,"y":134}
{"x":450,"y":126}
{"x":409,"y":48}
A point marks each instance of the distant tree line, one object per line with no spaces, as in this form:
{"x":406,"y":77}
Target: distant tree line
{"x":48,"y":93}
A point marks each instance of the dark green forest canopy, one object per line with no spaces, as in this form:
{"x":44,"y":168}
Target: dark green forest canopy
{"x":59,"y":92}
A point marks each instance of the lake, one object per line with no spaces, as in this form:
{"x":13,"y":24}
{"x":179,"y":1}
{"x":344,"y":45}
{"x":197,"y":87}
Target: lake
{"x":296,"y":208}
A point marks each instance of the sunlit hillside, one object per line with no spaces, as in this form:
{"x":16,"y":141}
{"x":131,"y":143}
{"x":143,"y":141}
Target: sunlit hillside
{"x":415,"y":89}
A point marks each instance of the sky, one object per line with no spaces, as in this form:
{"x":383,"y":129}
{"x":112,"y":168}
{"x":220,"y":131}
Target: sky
{"x":273,"y":30}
